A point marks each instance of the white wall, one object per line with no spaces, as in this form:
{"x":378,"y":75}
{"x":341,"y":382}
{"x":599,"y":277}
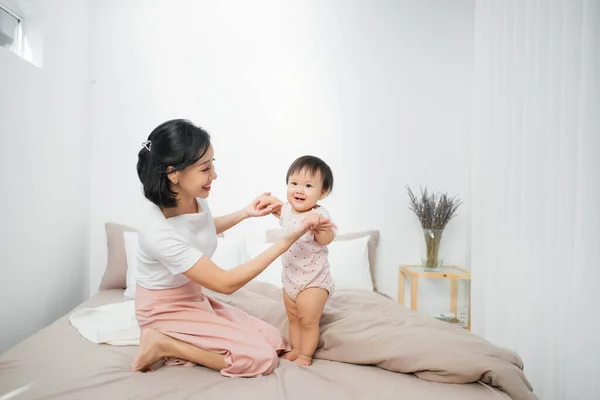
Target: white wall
{"x":379,"y":89}
{"x":44,"y":159}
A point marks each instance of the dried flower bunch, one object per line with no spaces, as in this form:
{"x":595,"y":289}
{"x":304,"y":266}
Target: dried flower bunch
{"x":433,"y":210}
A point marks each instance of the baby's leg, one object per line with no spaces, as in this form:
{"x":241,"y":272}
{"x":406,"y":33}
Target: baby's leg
{"x":292,"y":313}
{"x":310,"y":303}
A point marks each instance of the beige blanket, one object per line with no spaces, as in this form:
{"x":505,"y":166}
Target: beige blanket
{"x":58,"y":363}
{"x":367,"y":328}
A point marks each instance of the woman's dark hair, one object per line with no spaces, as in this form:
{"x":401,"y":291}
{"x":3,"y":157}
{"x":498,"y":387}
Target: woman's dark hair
{"x":313,"y":165}
{"x":176,"y":143}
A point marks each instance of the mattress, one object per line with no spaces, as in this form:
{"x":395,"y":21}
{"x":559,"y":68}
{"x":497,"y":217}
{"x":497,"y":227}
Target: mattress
{"x":58,"y":363}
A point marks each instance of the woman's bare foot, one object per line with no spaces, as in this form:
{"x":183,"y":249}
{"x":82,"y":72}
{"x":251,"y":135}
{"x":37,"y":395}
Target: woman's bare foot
{"x":304,"y":361}
{"x":291,"y":355}
{"x":150,"y":350}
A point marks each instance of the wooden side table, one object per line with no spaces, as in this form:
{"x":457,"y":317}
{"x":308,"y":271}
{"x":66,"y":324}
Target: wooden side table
{"x":447,"y":272}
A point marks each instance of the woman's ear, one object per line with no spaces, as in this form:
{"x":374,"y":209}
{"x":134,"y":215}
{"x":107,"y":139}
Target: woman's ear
{"x":173,"y":176}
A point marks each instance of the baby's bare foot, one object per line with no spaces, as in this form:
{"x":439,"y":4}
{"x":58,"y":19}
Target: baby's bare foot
{"x":304,"y":360}
{"x":291,"y":355}
{"x":150,"y":350}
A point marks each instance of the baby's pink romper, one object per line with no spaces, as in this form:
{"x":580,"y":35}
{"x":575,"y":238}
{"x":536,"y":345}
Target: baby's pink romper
{"x":305,"y":264}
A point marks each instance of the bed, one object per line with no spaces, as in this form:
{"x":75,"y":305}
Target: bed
{"x":370,"y":348}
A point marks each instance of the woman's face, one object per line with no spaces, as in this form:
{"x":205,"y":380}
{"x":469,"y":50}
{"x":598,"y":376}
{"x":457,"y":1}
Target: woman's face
{"x":196,"y":180}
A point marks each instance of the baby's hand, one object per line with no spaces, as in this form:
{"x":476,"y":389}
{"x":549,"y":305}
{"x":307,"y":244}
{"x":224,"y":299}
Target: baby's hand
{"x":263,"y":205}
{"x":316,"y":223}
{"x":311,"y":221}
{"x":325,"y":225}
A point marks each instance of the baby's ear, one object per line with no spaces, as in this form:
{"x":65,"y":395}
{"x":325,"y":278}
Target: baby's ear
{"x":324,"y":194}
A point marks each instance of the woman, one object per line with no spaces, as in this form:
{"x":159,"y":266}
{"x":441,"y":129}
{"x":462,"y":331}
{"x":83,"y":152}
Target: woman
{"x":177,"y":320}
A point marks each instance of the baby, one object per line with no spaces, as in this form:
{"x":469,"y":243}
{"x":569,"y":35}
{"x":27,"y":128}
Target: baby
{"x":306,"y":279}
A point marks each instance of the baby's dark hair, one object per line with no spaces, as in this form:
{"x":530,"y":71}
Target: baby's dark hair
{"x":176,"y":143}
{"x":313,"y":165}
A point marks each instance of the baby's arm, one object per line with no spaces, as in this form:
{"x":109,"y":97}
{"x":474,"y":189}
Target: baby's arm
{"x":325,"y":234}
{"x":322,"y":229}
{"x":278,"y":213}
{"x":324,"y":237}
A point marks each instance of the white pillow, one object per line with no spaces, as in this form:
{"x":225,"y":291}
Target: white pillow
{"x":349,"y":264}
{"x":131,"y":249}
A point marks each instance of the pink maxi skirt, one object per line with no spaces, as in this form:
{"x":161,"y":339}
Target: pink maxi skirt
{"x":251,"y":346}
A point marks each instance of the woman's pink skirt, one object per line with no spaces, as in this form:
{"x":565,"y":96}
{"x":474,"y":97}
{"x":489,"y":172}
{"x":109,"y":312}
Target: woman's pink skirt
{"x":250,"y":345}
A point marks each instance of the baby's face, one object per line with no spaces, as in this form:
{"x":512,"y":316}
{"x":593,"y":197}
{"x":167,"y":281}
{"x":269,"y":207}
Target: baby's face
{"x":304,"y":190}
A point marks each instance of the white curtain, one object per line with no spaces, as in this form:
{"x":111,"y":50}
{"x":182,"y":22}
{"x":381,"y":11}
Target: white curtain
{"x":535,"y":189}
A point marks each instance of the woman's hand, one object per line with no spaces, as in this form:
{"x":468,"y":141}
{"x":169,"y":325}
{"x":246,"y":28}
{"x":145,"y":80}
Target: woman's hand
{"x":317,"y":223}
{"x":321,"y":227}
{"x":311,"y":223}
{"x":264,"y":204}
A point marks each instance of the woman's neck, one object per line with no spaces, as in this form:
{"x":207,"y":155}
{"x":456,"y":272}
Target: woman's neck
{"x":184,"y":206}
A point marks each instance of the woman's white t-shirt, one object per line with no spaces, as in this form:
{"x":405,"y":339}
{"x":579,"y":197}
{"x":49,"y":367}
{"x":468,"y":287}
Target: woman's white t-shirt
{"x":168,"y":247}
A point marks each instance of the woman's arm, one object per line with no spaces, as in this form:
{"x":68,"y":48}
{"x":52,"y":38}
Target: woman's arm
{"x":228,"y":221}
{"x":208,"y":274}
{"x":263,"y":205}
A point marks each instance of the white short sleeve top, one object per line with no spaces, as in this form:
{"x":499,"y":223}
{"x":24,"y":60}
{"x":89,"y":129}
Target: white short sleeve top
{"x":168,"y":247}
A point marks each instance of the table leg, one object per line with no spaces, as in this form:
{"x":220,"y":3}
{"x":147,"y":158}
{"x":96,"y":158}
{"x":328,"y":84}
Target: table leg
{"x":469,"y":323}
{"x":401,"y":288}
{"x":414,"y":289}
{"x":454,"y":297}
